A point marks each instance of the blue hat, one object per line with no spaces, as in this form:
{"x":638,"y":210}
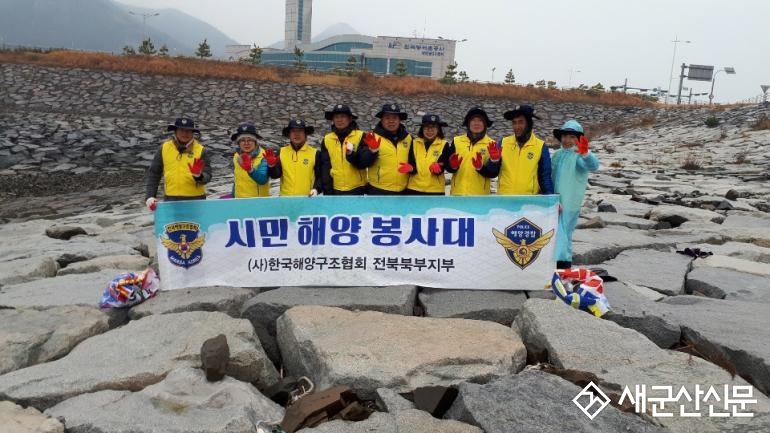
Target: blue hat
{"x":183,"y":123}
{"x":569,"y":127}
{"x":245,"y":129}
{"x":392,"y":109}
{"x":339,"y":108}
{"x":477,"y":111}
{"x":297,"y":124}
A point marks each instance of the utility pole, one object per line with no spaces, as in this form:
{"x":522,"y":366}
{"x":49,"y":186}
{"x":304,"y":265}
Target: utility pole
{"x":144,"y":16}
{"x":681,"y":82}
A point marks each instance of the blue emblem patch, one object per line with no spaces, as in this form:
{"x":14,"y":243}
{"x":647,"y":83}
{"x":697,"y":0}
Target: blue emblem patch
{"x":184,"y":243}
{"x":306,"y":161}
{"x":523,"y":241}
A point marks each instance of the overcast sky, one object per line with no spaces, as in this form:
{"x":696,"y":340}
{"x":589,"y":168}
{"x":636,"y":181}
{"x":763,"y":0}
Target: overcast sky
{"x":607,"y":41}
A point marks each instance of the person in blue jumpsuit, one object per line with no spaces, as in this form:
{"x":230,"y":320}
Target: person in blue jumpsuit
{"x":570,"y":166}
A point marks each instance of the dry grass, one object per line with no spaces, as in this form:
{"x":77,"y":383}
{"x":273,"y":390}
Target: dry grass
{"x":616,"y":164}
{"x":617,"y":128}
{"x":364,"y":81}
{"x":741,"y":157}
{"x":691,"y":162}
{"x":762,"y":123}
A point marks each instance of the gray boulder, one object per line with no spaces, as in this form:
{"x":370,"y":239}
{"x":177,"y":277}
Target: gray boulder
{"x":137,"y":355}
{"x":660,"y":271}
{"x":228,"y":300}
{"x":265,"y":308}
{"x":492,"y":305}
{"x":369,"y":350}
{"x":182,"y":402}
{"x":33,"y":336}
{"x":536,"y":402}
{"x":15,"y":419}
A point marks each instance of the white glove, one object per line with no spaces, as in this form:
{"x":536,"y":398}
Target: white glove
{"x":313,"y":193}
{"x":348,"y":147}
{"x":152,"y":203}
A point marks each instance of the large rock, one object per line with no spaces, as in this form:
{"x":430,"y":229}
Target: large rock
{"x":407,"y":421}
{"x":678,"y":215}
{"x":740,"y":265}
{"x":633,"y":308}
{"x":491,"y":305}
{"x":183,"y":402}
{"x":265,"y":308}
{"x":126,"y":262}
{"x":661,"y":271}
{"x":748,"y":227}
{"x":728,"y":284}
{"x":228,"y":300}
{"x":726,"y":330}
{"x":536,"y":402}
{"x":137,"y":355}
{"x":76,"y":289}
{"x":369,"y":350}
{"x":592,"y":246}
{"x":622,"y":357}
{"x":390,"y":401}
{"x":33,"y":336}
{"x":15,"y":419}
{"x":616,"y":219}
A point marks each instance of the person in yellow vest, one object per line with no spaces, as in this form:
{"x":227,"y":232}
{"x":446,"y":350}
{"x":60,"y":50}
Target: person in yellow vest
{"x":342,"y":170}
{"x":429,"y":155}
{"x":250,"y":177}
{"x":298,"y":165}
{"x":182,"y":162}
{"x":469,"y":153}
{"x":387,"y":148}
{"x":524,"y":163}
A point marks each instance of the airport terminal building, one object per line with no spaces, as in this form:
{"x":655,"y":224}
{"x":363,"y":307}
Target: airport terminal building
{"x":423,"y":57}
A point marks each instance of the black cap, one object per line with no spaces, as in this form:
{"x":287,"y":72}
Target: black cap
{"x":527,"y":111}
{"x":245,"y":129}
{"x":183,"y":123}
{"x":297,"y":124}
{"x":477,"y":111}
{"x":339,"y":108}
{"x":433,"y":118}
{"x":392,"y":109}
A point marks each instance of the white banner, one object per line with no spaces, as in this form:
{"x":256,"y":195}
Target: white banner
{"x":484,"y":242}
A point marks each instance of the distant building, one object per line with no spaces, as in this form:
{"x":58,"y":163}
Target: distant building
{"x":423,"y":57}
{"x":299,"y":16}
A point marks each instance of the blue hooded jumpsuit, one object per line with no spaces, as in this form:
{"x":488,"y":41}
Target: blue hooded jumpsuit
{"x":570,"y":178}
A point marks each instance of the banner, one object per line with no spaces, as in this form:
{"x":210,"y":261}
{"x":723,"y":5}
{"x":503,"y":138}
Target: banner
{"x":480,"y":242}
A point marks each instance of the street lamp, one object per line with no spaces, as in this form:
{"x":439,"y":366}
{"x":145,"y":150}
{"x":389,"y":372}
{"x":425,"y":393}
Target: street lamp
{"x":144,"y":20}
{"x":727,"y":70}
{"x":493,"y":74}
{"x":671,"y":74}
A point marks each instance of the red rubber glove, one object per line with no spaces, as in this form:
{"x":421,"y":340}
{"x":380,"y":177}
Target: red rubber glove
{"x":244,"y":160}
{"x":436,"y":168}
{"x":494,"y":152}
{"x":196,"y":168}
{"x":582,"y":145}
{"x":477,"y":161}
{"x":271,"y":158}
{"x":348,"y":148}
{"x":405,"y":167}
{"x":151,"y":203}
{"x":372,"y":142}
{"x":455,"y":160}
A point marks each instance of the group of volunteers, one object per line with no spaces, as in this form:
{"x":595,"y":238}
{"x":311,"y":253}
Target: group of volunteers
{"x":389,"y":161}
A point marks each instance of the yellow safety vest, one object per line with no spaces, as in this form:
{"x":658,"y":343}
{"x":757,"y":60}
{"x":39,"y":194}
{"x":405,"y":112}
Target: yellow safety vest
{"x":345,"y":175}
{"x":298,"y":170}
{"x":518,"y":172}
{"x":467,"y":181}
{"x":245,"y":186}
{"x":423,"y":180}
{"x":383,"y":174}
{"x":176,"y":173}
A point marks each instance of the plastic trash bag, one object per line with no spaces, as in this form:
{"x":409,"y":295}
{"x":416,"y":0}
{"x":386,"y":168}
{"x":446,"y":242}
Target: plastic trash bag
{"x":581,"y":289}
{"x":130,"y":288}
